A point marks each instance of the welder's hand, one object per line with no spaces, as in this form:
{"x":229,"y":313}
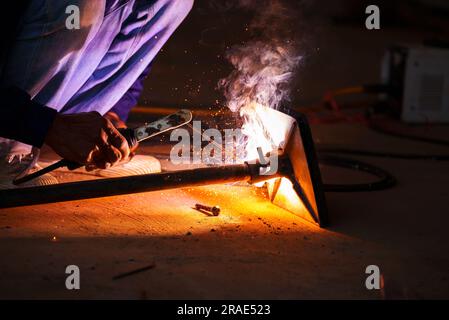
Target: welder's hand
{"x":115,"y":120}
{"x":119,"y":124}
{"x":88,"y":139}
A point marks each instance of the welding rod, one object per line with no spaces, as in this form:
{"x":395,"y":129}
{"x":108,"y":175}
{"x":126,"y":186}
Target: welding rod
{"x":131,"y":184}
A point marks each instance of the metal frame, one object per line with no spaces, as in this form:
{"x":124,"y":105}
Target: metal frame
{"x":314,"y":170}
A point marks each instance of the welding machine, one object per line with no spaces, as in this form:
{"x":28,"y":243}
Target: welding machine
{"x":420,"y":78}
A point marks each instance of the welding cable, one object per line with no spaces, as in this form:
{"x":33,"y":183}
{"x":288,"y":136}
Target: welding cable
{"x":386,"y":180}
{"x":329,"y":97}
{"x":381,"y":154}
{"x":366,"y":88}
{"x":329,"y":101}
{"x":375,"y":126}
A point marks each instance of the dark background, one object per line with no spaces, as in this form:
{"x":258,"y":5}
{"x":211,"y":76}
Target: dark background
{"x":336,"y":47}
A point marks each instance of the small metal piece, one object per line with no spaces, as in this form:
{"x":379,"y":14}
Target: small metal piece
{"x":215,"y":210}
{"x":133,"y":272}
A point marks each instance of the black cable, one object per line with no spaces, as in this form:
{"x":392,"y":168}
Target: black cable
{"x":386,"y":180}
{"x":381,"y":154}
{"x":380,"y":129}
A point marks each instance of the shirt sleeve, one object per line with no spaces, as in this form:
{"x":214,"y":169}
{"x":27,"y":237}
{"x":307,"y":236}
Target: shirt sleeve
{"x":23,"y":119}
{"x":130,"y":98}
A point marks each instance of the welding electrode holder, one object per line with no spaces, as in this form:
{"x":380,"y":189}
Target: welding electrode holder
{"x":130,"y":137}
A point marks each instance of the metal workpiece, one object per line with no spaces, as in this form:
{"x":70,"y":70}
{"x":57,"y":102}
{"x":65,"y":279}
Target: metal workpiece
{"x":125,"y":185}
{"x":297,"y":165}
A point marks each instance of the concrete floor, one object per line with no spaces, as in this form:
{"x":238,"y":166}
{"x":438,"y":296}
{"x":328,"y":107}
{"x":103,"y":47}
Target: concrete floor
{"x":252,"y":250}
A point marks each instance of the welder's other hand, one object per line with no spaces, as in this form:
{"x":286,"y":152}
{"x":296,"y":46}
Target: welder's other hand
{"x":88,"y":139}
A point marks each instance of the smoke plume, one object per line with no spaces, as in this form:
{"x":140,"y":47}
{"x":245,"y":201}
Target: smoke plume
{"x":265,"y":65}
{"x":263,"y":69}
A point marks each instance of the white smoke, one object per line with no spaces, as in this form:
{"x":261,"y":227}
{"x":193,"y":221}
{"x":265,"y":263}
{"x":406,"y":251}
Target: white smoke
{"x":263,"y":70}
{"x":262,"y":74}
